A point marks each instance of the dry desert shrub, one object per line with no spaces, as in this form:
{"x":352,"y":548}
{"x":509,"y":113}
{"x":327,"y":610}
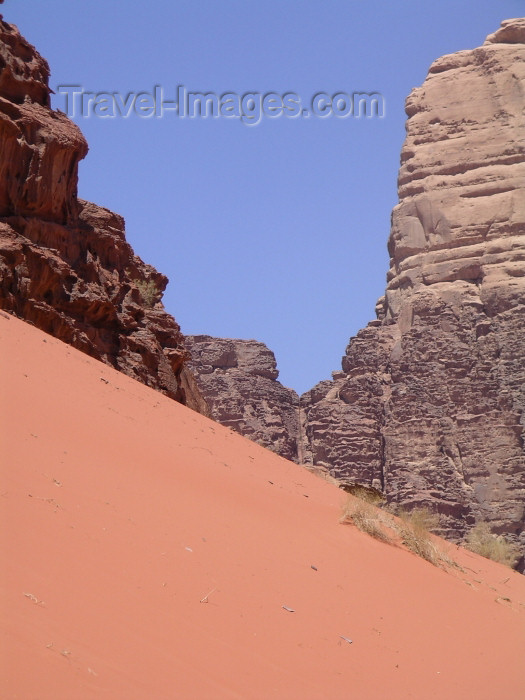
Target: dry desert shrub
{"x":370,"y":495}
{"x":148,"y":291}
{"x":482,"y":541}
{"x":367,"y":518}
{"x":415,"y":528}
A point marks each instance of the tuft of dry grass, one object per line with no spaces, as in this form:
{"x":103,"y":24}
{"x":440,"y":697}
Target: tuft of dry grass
{"x":370,"y":495}
{"x":482,"y":541}
{"x":415,"y":529}
{"x":366,"y":518}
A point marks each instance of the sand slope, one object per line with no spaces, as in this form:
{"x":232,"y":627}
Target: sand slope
{"x":121,"y":510}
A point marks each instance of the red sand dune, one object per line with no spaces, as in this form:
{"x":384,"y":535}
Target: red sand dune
{"x":150,"y":553}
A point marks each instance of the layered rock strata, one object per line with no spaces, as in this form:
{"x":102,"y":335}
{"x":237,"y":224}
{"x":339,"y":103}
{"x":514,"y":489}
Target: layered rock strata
{"x":429,"y":406}
{"x":430,"y":403}
{"x":238,"y":378}
{"x":65,"y":265}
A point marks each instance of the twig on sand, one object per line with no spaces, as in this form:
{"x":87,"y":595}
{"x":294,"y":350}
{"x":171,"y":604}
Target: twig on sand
{"x":205,"y":599}
{"x":35,"y":600}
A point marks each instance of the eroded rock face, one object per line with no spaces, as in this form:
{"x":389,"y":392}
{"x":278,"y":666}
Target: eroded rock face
{"x":65,"y":265}
{"x":430,"y":403}
{"x":429,"y":406}
{"x":238,"y":378}
{"x":40,"y":148}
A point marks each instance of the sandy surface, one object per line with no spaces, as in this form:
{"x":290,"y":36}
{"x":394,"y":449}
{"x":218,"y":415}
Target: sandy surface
{"x":149,"y":553}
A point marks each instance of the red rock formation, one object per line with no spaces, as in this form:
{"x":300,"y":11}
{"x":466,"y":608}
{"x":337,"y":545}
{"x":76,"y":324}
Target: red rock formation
{"x":65,"y":265}
{"x":430,"y":405}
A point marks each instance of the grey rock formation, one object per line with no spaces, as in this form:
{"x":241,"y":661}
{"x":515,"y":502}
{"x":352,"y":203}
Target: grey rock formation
{"x":429,"y":406}
{"x":238,"y":379}
{"x":431,"y":401}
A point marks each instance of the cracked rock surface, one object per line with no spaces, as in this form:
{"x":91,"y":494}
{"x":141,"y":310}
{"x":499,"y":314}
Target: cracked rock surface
{"x":238,"y":378}
{"x":430,"y":405}
{"x":65,"y":265}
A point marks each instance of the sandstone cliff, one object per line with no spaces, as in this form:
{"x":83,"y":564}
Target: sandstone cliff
{"x":239,"y":380}
{"x":430,"y":404}
{"x":65,"y":265}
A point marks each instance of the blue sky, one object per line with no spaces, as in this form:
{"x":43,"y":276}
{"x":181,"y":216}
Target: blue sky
{"x":276,"y":231}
